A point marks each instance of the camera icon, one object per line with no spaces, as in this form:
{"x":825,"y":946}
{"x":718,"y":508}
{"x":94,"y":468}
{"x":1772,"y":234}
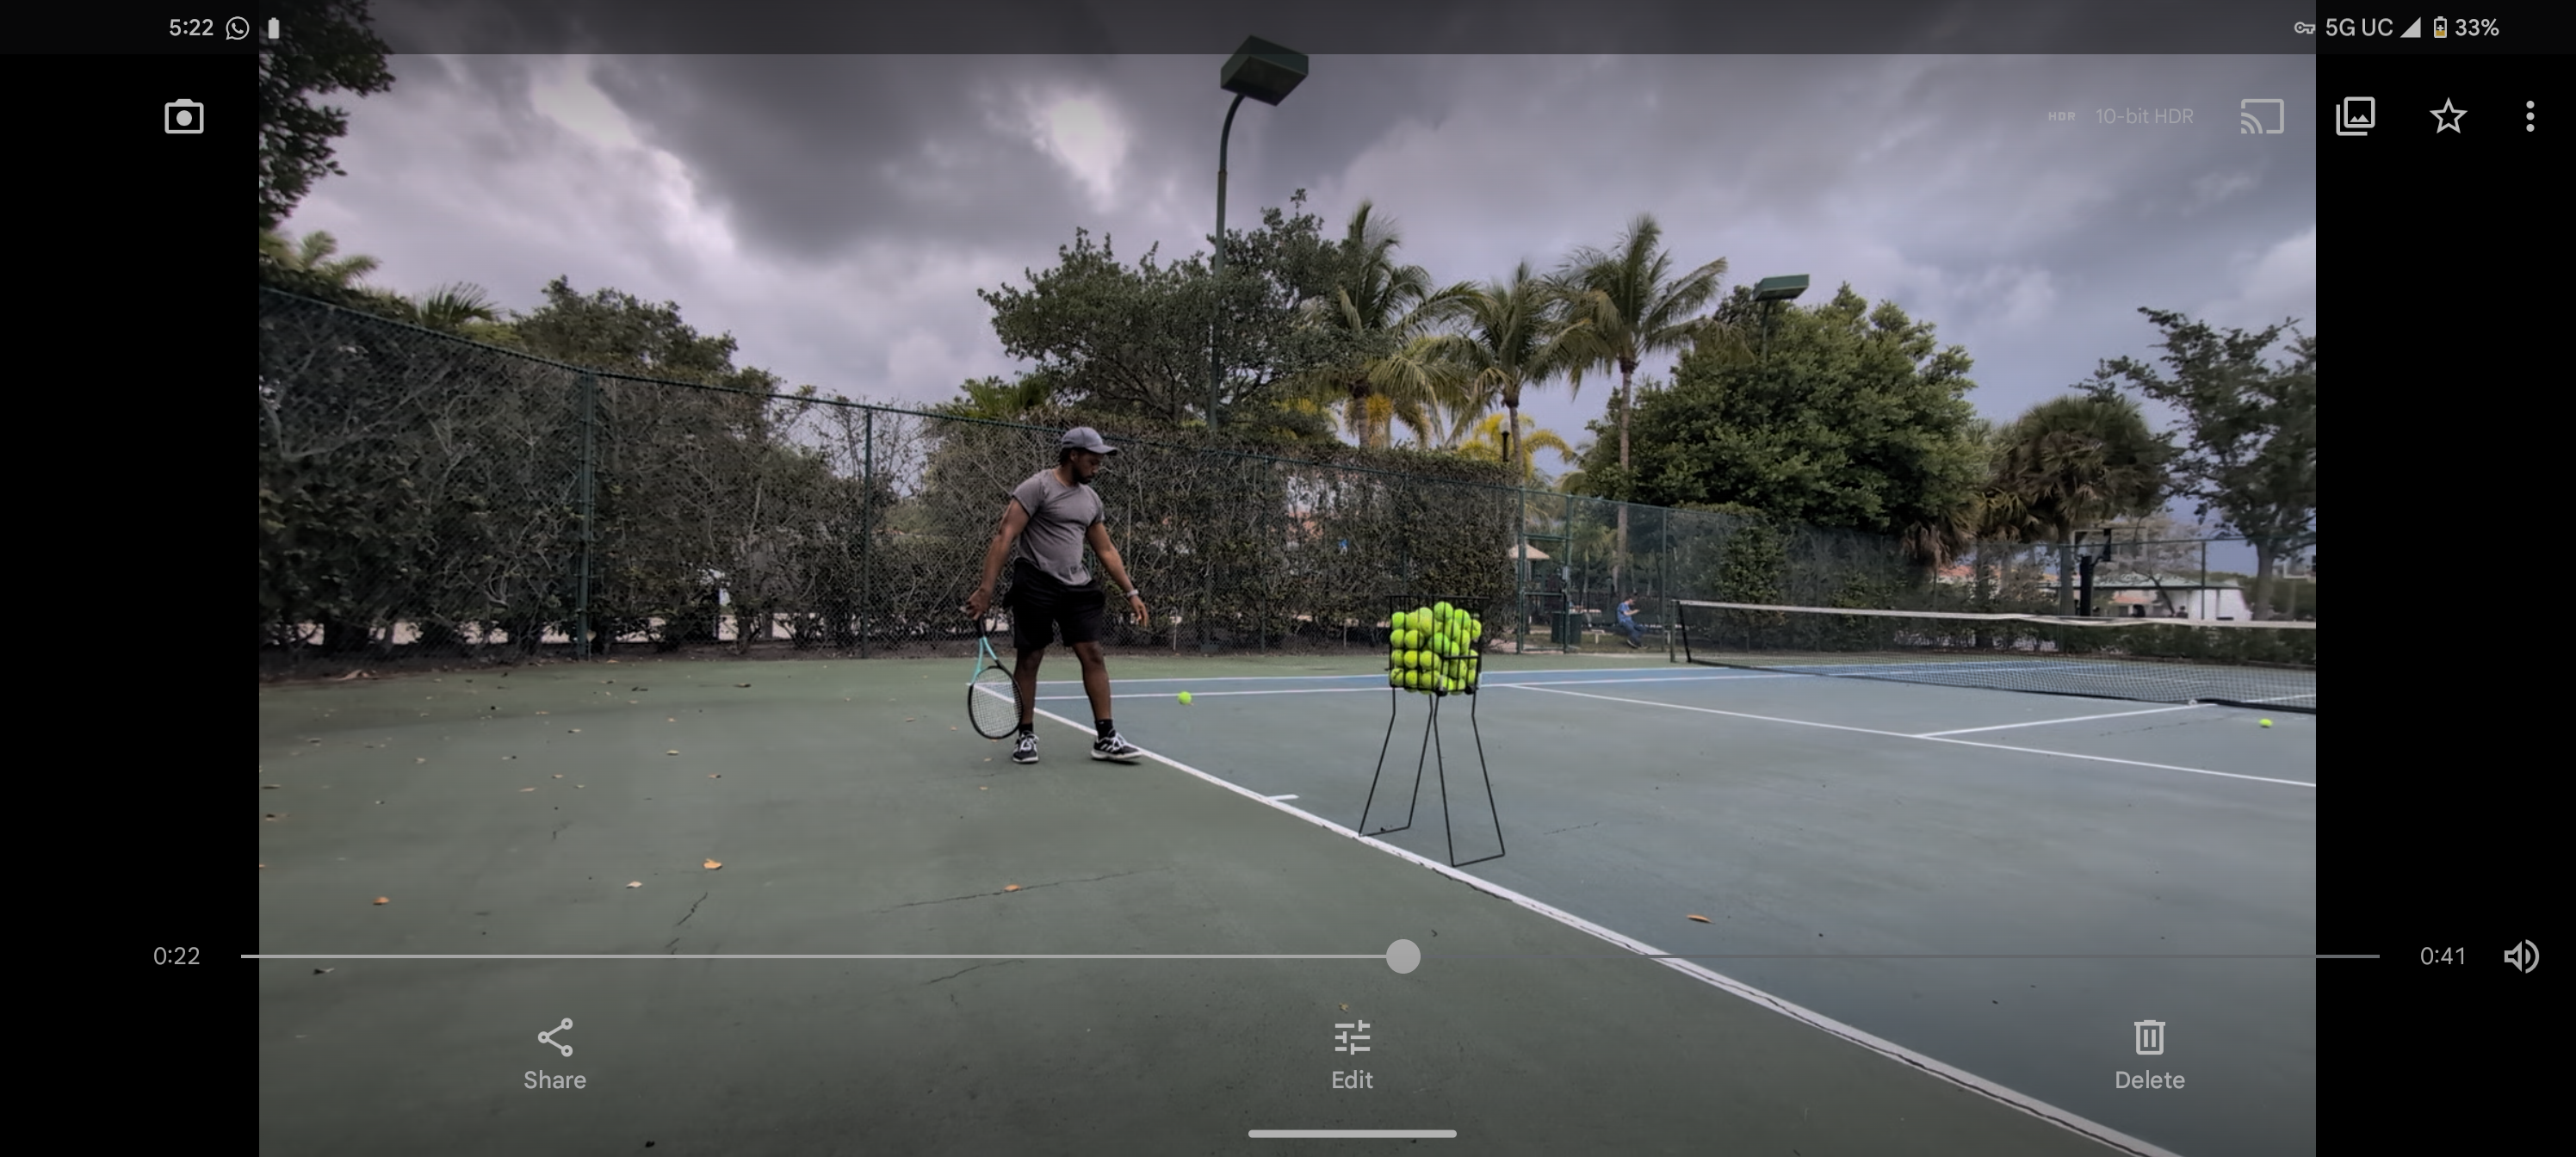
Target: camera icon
{"x":183,"y":116}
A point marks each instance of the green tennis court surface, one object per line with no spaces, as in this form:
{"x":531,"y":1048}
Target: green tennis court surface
{"x":1932,"y":915}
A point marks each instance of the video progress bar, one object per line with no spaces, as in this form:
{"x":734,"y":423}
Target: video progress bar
{"x":1364,"y":1134}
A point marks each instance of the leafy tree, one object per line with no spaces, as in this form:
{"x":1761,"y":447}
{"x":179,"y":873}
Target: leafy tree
{"x":2074,"y":462}
{"x":1856,"y":419}
{"x":2250,"y":427}
{"x":999,"y":400}
{"x":1635,"y":306}
{"x":329,"y":50}
{"x":1134,"y":340}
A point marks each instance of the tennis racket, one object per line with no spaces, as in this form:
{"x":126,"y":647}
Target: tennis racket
{"x":992,"y":696}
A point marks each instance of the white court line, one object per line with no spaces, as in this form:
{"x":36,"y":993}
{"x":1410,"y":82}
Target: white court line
{"x":1381,"y":686}
{"x":1291,"y":678}
{"x":1926,"y":738}
{"x":2046,"y":722}
{"x":1899,"y":1053}
{"x":1280,"y":797}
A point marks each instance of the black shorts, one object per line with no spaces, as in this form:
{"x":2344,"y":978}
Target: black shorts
{"x":1042,"y":607}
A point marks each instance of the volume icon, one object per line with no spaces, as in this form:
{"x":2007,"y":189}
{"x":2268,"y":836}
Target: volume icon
{"x":2525,"y":956}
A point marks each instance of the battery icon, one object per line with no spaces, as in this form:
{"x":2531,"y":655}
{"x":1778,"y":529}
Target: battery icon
{"x":2441,"y":28}
{"x":272,"y":28}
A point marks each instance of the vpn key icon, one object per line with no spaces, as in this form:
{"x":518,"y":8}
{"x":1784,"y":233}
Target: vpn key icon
{"x":548,"y":1037}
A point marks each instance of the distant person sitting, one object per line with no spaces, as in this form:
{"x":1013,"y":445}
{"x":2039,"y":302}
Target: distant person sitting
{"x":1628,"y":622}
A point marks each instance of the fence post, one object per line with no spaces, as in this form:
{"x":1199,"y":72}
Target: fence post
{"x":589,"y":511}
{"x":1520,"y":574}
{"x":867,"y":523}
{"x":1664,"y":582}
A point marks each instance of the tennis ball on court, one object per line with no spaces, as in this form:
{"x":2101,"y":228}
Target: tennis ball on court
{"x":1185,"y":696}
{"x":2267,"y":723}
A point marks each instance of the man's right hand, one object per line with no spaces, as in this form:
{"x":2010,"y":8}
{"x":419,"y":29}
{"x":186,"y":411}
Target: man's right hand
{"x":975,"y":603}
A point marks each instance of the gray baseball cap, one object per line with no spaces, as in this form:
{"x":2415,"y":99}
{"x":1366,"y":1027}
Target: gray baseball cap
{"x":1084,"y":438}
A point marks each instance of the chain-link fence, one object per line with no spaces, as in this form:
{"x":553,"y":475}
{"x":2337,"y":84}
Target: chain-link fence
{"x":426,"y":497}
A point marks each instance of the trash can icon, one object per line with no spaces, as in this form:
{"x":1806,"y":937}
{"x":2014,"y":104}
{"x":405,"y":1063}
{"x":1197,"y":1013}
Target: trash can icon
{"x":2151,"y":1038}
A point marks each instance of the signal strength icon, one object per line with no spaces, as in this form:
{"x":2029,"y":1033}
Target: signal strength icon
{"x":2413,"y":31}
{"x":2254,"y":124}
{"x":2525,"y":956}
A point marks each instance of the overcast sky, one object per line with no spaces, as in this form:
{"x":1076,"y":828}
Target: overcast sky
{"x":837,"y":214}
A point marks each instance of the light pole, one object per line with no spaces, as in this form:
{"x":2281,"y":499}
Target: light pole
{"x":1770,"y":292}
{"x":1266,"y":73}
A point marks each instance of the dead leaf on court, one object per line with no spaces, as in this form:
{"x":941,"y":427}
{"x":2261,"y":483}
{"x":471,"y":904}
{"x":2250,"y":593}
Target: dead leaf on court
{"x":382,"y":900}
{"x":527,"y":789}
{"x":635,"y":883}
{"x":272,"y":786}
{"x":1701,"y":919}
{"x":1011,"y":888}
{"x":712,"y":865}
{"x":321,"y":971}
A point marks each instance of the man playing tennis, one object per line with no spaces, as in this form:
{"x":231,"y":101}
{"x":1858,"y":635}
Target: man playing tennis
{"x":1048,"y":521}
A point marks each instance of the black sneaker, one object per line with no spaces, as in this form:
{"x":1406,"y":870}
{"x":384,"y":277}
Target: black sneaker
{"x":1027,"y":751}
{"x":1115,"y":748}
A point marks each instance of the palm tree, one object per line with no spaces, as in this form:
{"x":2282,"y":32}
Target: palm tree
{"x":1513,"y":342}
{"x":1489,"y":439}
{"x":452,"y":308}
{"x":1637,"y":308}
{"x":2076,"y":462}
{"x":313,"y":255}
{"x":1381,"y":306}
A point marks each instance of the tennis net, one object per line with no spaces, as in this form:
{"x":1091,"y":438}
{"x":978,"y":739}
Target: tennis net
{"x":2271,"y":665}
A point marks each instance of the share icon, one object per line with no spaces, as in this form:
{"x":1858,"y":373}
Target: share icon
{"x":548,"y":1037}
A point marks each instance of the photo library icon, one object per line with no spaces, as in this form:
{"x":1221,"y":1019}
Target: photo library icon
{"x":2254,"y":123}
{"x":2151,"y":1038}
{"x":2355,"y":116}
{"x":183,"y":116}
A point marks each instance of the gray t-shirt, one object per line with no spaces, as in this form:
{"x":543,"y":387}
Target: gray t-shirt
{"x":1060,"y":517}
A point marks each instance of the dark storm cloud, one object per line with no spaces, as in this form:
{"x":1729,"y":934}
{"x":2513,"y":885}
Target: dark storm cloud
{"x":838,"y":213}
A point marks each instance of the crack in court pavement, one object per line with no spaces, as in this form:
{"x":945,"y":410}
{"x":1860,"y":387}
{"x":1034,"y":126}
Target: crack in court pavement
{"x":693,"y":908}
{"x":1022,"y":888}
{"x":965,"y":970}
{"x":1593,"y":824}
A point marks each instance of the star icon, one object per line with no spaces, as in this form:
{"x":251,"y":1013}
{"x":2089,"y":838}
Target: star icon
{"x":2448,"y":117}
